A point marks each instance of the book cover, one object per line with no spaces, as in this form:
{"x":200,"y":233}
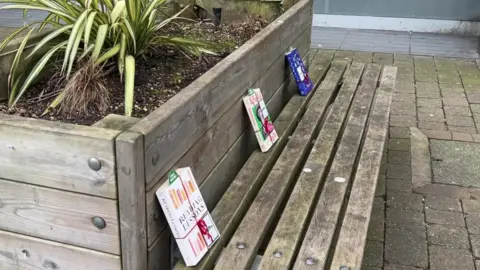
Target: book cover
{"x":187,"y":215}
{"x":299,"y":72}
{"x":260,"y":119}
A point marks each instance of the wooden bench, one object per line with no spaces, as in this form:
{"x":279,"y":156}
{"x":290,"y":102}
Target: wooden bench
{"x":306,"y":203}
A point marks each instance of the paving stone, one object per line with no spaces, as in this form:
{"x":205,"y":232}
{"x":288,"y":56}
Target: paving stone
{"x":376,"y":229}
{"x":475,"y":108}
{"x":401,"y":218}
{"x":400,"y":267}
{"x":399,"y":144}
{"x":427,"y":93}
{"x":455,"y":101}
{"x":475,"y":241}
{"x":444,"y":258}
{"x":472,"y":88}
{"x":451,"y":87}
{"x":473,"y":97}
{"x":399,"y":185}
{"x":437,"y":134}
{"x":449,"y":236}
{"x":406,"y":246}
{"x":444,"y":217}
{"x":429,"y":102}
{"x":471,"y":207}
{"x":473,"y":224}
{"x":400,"y":132}
{"x":457,"y":111}
{"x":477,"y":264}
{"x":406,"y":85}
{"x":373,"y":255}
{"x":399,"y":171}
{"x":432,"y":125}
{"x":459,"y":162}
{"x":403,"y":98}
{"x":405,"y":201}
{"x":432,"y":114}
{"x":453,"y":94}
{"x":399,"y":157}
{"x":462,"y":129}
{"x":398,"y":120}
{"x":443,"y":203}
{"x":380,"y":190}
{"x":460,"y":121}
{"x":404,"y":108}
{"x":476,"y":137}
{"x":465,"y":137}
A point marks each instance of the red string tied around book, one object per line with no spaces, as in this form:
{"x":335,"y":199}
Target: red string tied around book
{"x":202,"y":226}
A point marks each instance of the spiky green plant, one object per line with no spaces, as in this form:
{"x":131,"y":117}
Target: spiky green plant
{"x":94,"y":31}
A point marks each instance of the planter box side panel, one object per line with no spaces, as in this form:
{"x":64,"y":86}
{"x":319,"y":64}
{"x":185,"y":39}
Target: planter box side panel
{"x":23,"y":252}
{"x":57,"y":155}
{"x":229,"y":130}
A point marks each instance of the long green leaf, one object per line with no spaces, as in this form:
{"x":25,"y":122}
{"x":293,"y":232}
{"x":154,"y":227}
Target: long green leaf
{"x":102,"y":33}
{"x":55,"y":102}
{"x":36,"y":70}
{"x":129,"y":84}
{"x":73,"y":38}
{"x":88,"y":28}
{"x":121,"y":57}
{"x":16,"y":60}
{"x":117,"y":11}
{"x":48,"y":38}
{"x":109,"y":54}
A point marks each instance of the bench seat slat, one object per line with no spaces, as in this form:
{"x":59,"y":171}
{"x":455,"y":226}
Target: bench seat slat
{"x":259,"y":216}
{"x":319,"y":236}
{"x":288,"y":232}
{"x":350,"y":246}
{"x":233,"y":204}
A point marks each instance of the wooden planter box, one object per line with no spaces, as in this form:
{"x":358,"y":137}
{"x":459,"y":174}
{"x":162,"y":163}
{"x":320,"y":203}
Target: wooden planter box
{"x":79,"y":197}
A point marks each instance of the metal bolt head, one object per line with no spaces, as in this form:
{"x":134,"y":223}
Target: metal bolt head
{"x":155,"y":158}
{"x":343,"y":267}
{"x":99,"y":222}
{"x":310,"y":261}
{"x":241,"y":245}
{"x":94,"y":164}
{"x":277,"y":254}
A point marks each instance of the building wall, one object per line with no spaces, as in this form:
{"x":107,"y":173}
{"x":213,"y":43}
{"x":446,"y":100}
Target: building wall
{"x":459,"y":10}
{"x":14,"y":18}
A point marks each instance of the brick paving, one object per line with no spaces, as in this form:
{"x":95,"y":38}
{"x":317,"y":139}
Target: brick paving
{"x":435,"y":226}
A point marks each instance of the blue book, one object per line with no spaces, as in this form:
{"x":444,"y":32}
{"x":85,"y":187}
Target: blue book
{"x":299,"y":71}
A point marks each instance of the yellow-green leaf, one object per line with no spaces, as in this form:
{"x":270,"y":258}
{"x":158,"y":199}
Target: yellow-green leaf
{"x":129,"y":84}
{"x":101,"y":34}
{"x":117,"y":11}
{"x":109,"y":54}
{"x":88,"y":28}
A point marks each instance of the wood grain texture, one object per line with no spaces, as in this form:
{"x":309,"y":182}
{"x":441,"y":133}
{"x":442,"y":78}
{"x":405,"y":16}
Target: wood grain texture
{"x":116,"y":122}
{"x":56,"y":155}
{"x":60,"y":216}
{"x":234,"y":202}
{"x":131,"y":200}
{"x":321,"y":229}
{"x":159,"y":256}
{"x":259,"y":216}
{"x":351,"y":242}
{"x":28,"y":253}
{"x":204,"y":156}
{"x":288,"y":232}
{"x":173,"y":128}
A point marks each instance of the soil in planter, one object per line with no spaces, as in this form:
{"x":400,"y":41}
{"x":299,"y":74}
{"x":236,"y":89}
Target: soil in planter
{"x":162,"y":74}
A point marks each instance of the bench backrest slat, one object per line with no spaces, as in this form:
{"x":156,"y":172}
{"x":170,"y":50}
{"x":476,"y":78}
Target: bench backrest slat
{"x":262,"y":211}
{"x":280,"y":252}
{"x":350,"y":245}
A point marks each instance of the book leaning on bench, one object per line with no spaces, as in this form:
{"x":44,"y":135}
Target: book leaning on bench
{"x":299,"y":72}
{"x":187,"y":215}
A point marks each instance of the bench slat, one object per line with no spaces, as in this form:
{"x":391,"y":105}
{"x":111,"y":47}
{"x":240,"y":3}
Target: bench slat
{"x":261,"y":213}
{"x":229,"y":210}
{"x":350,"y":246}
{"x":288,"y":233}
{"x":321,"y":229}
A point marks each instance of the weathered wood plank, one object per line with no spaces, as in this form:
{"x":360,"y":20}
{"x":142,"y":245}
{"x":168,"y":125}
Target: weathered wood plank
{"x":288,"y":232}
{"x":23,"y":252}
{"x":261,"y":213}
{"x":131,"y":200}
{"x":58,"y":215}
{"x":56,"y":155}
{"x":172,"y":129}
{"x":159,"y":253}
{"x":235,"y":200}
{"x":116,"y":122}
{"x":321,"y":229}
{"x":350,"y":245}
{"x":210,"y":149}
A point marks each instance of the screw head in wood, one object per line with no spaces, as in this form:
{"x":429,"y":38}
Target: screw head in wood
{"x":343,"y":267}
{"x":155,"y":158}
{"x":94,"y":164}
{"x":310,"y":261}
{"x":241,"y":245}
{"x":277,"y":254}
{"x":99,"y":222}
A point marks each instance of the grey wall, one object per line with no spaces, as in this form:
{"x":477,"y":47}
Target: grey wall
{"x":422,"y":9}
{"x":14,"y":18}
